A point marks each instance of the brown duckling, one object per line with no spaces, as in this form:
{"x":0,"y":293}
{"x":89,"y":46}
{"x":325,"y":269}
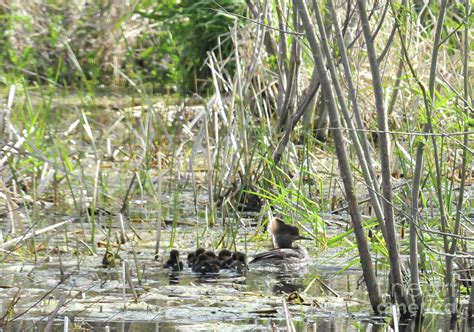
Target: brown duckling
{"x":237,"y":261}
{"x":206,"y":262}
{"x":224,"y":254}
{"x":173,"y":262}
{"x":192,"y":256}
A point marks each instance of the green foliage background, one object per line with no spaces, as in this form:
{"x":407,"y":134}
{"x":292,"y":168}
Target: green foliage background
{"x":161,"y":44}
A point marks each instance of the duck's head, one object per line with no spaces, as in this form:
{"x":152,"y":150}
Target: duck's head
{"x":285,"y":234}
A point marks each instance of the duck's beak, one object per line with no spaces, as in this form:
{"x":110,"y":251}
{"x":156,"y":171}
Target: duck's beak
{"x":303,"y":238}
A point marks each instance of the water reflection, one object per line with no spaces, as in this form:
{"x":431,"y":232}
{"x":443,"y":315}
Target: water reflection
{"x":326,"y":324}
{"x":173,"y":277}
{"x":286,"y":284}
{"x":333,"y":322}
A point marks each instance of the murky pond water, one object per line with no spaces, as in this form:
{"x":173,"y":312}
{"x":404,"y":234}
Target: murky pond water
{"x":79,"y":287}
{"x":96,"y":298}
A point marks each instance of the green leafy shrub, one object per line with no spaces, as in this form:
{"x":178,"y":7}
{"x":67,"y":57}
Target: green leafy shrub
{"x":190,"y":30}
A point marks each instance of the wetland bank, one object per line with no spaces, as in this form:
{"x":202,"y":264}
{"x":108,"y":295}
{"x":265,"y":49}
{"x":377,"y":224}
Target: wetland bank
{"x":105,"y":168}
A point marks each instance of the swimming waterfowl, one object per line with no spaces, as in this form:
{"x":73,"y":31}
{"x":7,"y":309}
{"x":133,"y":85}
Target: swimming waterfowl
{"x":224,"y":254}
{"x":192,"y":256}
{"x":173,"y":262}
{"x":206,"y":262}
{"x":286,"y":252}
{"x":239,"y":262}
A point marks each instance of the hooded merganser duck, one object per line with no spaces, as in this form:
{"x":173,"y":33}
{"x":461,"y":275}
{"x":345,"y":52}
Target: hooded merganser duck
{"x":206,"y":262}
{"x":173,"y":262}
{"x":286,"y":252}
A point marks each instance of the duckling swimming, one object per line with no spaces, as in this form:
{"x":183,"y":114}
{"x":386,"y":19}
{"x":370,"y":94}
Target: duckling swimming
{"x":192,"y":256}
{"x":206,"y":262}
{"x":173,"y":262}
{"x":224,"y":255}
